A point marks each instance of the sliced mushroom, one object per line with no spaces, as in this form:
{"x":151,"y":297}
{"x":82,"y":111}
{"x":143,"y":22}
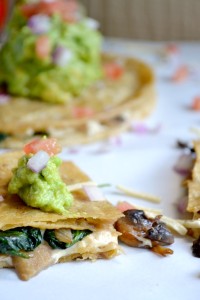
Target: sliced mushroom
{"x":137,"y":230}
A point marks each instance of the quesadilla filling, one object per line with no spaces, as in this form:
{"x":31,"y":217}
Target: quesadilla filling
{"x":21,"y":240}
{"x":29,"y":250}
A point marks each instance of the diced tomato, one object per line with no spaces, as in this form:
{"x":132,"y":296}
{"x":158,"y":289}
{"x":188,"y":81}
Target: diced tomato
{"x":47,"y":144}
{"x":172,"y":49}
{"x":66,"y":9}
{"x":82,"y":112}
{"x":181,"y":74}
{"x":42,"y":47}
{"x":3,"y":12}
{"x":113,"y":70}
{"x":123,"y":206}
{"x":196,"y":103}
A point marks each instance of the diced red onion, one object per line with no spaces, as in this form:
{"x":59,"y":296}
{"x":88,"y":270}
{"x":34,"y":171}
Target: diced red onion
{"x":4,"y":99}
{"x":142,"y":128}
{"x":38,"y":161}
{"x":73,"y":150}
{"x":92,"y":23}
{"x":182,"y":204}
{"x":93,"y":192}
{"x":39,"y":24}
{"x":116,"y":141}
{"x":1,"y":198}
{"x":184,"y":164}
{"x":62,"y":56}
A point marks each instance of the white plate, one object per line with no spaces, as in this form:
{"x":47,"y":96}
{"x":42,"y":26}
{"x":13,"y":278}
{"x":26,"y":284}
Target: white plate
{"x":144,"y":163}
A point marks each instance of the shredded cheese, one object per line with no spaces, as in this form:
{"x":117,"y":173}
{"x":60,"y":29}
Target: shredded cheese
{"x":175,"y":225}
{"x":171,"y":223}
{"x":94,"y":243}
{"x":139,"y":195}
{"x":149,"y":209}
{"x":94,"y":127}
{"x":190,"y":223}
{"x":195,"y":130}
{"x":80,"y":185}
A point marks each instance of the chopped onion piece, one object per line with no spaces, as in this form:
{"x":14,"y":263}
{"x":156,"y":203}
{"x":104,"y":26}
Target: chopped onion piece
{"x":93,"y":192}
{"x":142,"y":128}
{"x":38,"y":161}
{"x":4,"y":99}
{"x":182,"y":204}
{"x":64,"y":235}
{"x":1,"y":198}
{"x":184,"y":164}
{"x":116,"y":141}
{"x":62,"y":56}
{"x":92,"y":23}
{"x":39,"y":24}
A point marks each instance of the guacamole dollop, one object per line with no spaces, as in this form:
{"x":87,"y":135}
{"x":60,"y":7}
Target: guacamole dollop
{"x":53,"y":64}
{"x":44,"y":190}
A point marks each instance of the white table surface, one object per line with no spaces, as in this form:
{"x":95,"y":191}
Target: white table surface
{"x":145,"y":163}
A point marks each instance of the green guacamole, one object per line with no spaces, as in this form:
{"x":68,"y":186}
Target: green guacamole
{"x":27,"y":75}
{"x":44,"y":190}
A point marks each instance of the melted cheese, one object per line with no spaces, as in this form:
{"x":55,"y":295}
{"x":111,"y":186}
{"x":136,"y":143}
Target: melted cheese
{"x":94,"y":242}
{"x":5,"y":261}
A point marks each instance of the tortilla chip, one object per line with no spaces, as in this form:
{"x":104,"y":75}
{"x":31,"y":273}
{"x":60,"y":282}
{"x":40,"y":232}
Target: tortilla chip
{"x":114,"y":105}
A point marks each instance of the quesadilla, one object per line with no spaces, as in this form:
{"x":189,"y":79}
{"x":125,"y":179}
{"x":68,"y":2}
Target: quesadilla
{"x":105,"y":109}
{"x":192,"y":223}
{"x":32,"y":240}
{"x":71,"y":92}
{"x":193,"y":205}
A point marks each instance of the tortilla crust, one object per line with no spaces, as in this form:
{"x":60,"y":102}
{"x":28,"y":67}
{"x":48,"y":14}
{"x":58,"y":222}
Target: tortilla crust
{"x":83,"y":214}
{"x":194,"y":184}
{"x":114,"y":103}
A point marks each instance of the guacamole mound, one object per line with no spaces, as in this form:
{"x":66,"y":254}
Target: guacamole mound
{"x":26,"y":74}
{"x":44,"y":190}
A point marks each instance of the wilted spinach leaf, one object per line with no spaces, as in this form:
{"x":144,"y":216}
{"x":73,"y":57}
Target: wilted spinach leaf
{"x":15,"y":241}
{"x":3,"y":136}
{"x":77,"y":236}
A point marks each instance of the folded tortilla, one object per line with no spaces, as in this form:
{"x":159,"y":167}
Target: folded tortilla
{"x":113,"y":104}
{"x":97,"y":216}
{"x":193,"y":184}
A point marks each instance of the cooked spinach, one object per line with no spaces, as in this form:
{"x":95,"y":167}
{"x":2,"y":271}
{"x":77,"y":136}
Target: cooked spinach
{"x":41,"y":133}
{"x":77,"y":236}
{"x":15,"y":241}
{"x":3,"y":136}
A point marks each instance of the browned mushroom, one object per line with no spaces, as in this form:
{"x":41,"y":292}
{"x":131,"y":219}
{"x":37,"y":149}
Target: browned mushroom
{"x":137,"y":230}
